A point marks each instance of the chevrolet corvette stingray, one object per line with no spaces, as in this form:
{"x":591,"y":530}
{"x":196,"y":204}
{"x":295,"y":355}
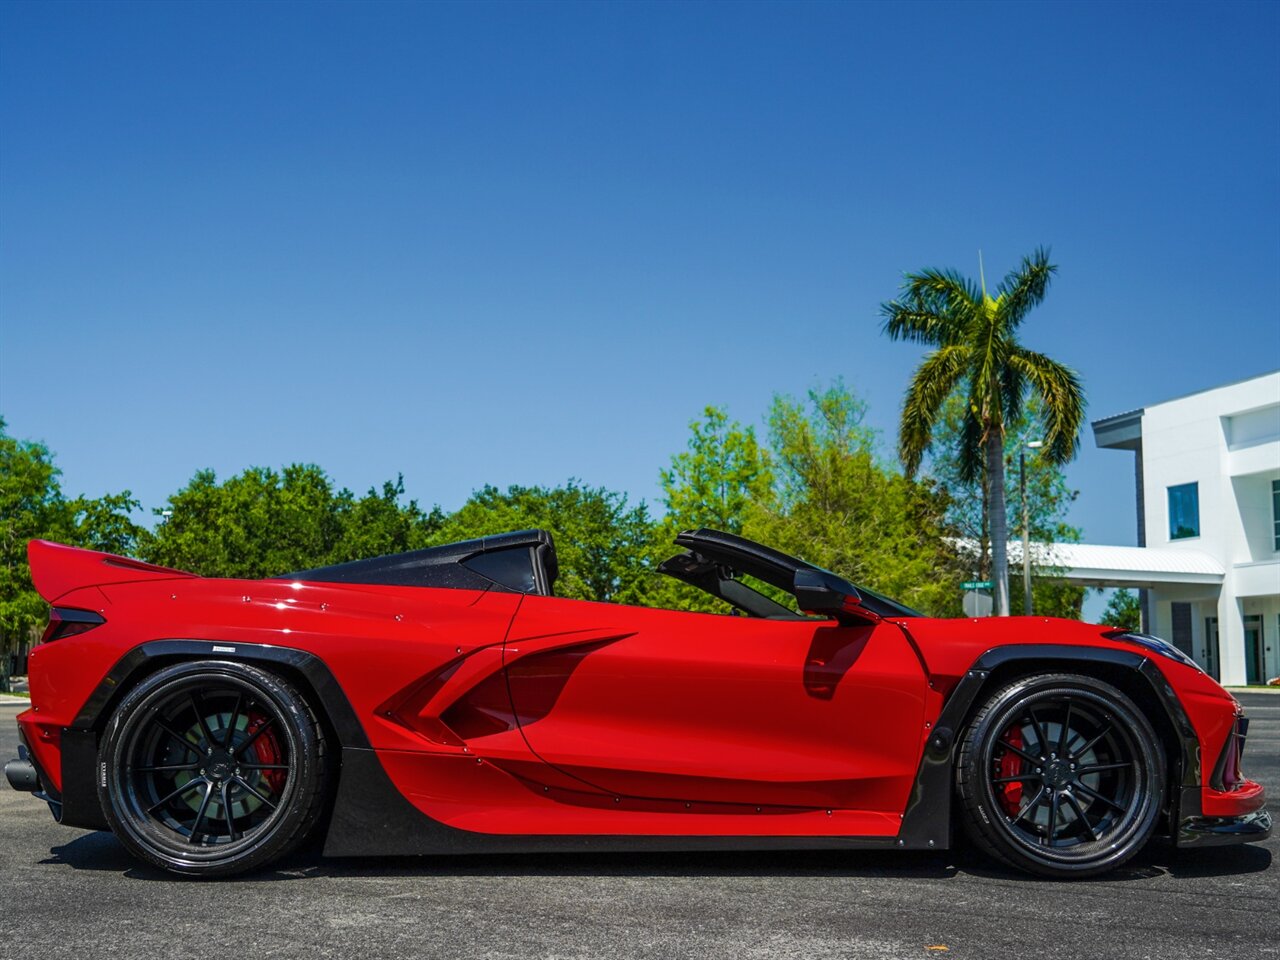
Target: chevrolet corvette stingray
{"x":446,"y":701}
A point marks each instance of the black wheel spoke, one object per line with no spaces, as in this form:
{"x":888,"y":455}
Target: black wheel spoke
{"x":198,"y":707}
{"x":1054,"y":803}
{"x":1099,"y":797}
{"x":263,"y":766}
{"x":231,"y":724}
{"x":226,"y":811}
{"x":1042,"y":737}
{"x":1065,"y":733}
{"x":1092,"y":743}
{"x":1035,"y":802}
{"x":204,"y":805}
{"x":246,"y":785}
{"x":1098,"y":767}
{"x":1080,"y":815}
{"x":179,"y":737}
{"x":238,"y":751}
{"x":194,"y":782}
{"x":1017,"y":777}
{"x":1019,"y":751}
{"x":166,"y":768}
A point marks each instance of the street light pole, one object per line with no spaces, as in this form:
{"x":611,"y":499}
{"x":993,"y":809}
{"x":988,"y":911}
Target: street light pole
{"x":1026,"y":522}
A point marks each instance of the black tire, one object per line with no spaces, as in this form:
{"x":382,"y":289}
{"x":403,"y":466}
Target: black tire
{"x":1060,"y":775}
{"x":212,"y":768}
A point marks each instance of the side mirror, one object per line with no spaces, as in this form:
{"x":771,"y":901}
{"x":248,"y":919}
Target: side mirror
{"x":817,"y":591}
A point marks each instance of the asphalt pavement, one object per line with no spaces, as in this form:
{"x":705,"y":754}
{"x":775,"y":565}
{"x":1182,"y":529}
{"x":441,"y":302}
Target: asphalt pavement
{"x":75,"y":893}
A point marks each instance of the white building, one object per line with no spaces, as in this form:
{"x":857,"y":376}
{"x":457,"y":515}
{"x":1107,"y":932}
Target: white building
{"x":1208,"y":494}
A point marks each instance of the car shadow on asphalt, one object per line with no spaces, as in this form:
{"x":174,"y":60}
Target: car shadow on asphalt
{"x":101,"y":851}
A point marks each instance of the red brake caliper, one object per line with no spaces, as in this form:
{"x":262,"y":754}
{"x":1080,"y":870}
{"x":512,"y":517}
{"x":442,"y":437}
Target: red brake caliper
{"x":267,"y":750}
{"x":1010,"y":765}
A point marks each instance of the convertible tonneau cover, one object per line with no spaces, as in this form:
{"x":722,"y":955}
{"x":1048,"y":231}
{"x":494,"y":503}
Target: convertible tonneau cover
{"x":523,"y":562}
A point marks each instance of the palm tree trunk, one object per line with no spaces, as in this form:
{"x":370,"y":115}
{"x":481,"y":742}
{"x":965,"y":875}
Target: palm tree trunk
{"x":999,"y":521}
{"x":984,"y":537}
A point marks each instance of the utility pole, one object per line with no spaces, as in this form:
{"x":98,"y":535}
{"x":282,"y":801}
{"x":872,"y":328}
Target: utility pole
{"x":1026,"y":520}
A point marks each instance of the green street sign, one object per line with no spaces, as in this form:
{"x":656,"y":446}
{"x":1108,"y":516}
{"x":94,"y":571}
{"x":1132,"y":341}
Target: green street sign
{"x":976,"y":585}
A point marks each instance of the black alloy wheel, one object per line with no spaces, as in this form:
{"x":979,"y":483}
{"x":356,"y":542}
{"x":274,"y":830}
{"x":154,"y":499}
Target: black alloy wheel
{"x":1061,"y":775}
{"x":212,"y":768}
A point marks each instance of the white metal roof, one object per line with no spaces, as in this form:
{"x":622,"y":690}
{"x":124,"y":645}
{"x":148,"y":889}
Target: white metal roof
{"x":1102,"y":565}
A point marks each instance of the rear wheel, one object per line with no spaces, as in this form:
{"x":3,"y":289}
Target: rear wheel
{"x":1061,"y":775}
{"x":210,"y":769}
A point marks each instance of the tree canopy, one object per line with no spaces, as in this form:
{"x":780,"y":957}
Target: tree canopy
{"x":33,"y":507}
{"x":1123,"y":610}
{"x":262,"y":523}
{"x":839,"y":505}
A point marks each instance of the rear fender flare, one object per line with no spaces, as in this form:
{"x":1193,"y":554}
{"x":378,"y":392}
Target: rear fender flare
{"x":80,"y":806}
{"x":147,"y":657}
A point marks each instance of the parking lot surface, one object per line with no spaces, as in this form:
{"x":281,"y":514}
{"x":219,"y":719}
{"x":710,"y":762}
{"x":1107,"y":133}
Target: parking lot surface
{"x":75,"y":893}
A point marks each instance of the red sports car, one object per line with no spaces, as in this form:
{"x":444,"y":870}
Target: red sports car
{"x":445,"y":700}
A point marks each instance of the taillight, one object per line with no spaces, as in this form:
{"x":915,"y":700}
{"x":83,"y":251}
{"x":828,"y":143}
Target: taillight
{"x":68,"y":621}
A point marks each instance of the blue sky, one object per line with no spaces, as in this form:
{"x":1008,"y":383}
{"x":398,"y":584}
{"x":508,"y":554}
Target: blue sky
{"x":493,"y":243}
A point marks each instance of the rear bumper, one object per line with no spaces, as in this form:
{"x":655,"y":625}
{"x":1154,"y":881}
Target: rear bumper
{"x":1224,"y":831}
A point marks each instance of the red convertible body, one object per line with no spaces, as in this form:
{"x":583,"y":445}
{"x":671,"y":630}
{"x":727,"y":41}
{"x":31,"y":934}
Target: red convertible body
{"x":458,"y":705}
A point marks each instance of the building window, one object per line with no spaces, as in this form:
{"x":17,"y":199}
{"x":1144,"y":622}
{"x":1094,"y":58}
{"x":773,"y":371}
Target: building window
{"x":1275,"y":510}
{"x":1184,"y":511}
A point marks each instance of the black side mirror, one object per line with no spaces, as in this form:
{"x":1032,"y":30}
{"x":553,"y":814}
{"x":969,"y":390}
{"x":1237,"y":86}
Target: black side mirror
{"x":818,"y":591}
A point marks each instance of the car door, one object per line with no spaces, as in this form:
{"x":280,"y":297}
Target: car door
{"x":707,"y":708}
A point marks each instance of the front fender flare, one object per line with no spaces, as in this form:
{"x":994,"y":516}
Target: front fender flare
{"x":926,"y":822}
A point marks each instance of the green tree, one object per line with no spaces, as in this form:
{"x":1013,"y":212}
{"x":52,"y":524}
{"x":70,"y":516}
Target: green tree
{"x":839,"y":506}
{"x":977,"y":348}
{"x":603,"y":545}
{"x":379,"y":523}
{"x":32,"y":506}
{"x":262,"y":523}
{"x":1123,"y":610}
{"x":1048,"y":501}
{"x":711,"y":483}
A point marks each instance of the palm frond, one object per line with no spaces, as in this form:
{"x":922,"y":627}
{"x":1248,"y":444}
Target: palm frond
{"x":972,"y":459}
{"x":1064,"y":402}
{"x":1025,"y":287}
{"x":933,"y":381}
{"x":1013,"y":391}
{"x":906,"y":321}
{"x":936,"y":308}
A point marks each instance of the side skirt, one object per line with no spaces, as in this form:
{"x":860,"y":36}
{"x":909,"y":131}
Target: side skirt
{"x":371,"y":818}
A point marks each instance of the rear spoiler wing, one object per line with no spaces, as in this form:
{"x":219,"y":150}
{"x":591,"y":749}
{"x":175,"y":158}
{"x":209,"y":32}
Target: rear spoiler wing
{"x":57,"y":569}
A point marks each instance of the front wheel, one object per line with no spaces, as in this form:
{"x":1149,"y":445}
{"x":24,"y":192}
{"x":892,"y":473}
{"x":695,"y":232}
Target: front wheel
{"x":210,"y":769}
{"x":1061,"y":775}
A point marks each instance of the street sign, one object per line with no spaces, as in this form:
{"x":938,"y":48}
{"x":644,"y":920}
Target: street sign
{"x":976,"y":585}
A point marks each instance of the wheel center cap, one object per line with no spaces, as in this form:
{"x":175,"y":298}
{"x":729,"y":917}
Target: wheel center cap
{"x":220,"y":766}
{"x":1058,"y":773}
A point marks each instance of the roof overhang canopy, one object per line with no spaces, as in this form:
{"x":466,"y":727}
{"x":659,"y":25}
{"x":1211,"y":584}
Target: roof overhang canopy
{"x":1097,"y":565}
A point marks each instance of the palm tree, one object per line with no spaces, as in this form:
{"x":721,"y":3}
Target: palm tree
{"x":976,"y":336}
